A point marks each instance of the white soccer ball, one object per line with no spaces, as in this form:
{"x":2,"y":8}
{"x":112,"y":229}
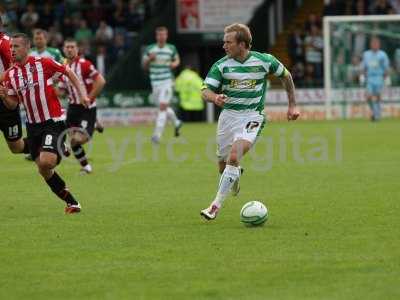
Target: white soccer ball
{"x":254,"y":213}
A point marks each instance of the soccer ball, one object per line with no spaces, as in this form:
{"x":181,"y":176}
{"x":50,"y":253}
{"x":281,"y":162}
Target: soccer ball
{"x":254,"y":213}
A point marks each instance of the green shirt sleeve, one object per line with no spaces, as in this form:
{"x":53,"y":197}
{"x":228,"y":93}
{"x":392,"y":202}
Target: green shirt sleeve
{"x":175,"y":53}
{"x":213,"y":80}
{"x":276,"y":67}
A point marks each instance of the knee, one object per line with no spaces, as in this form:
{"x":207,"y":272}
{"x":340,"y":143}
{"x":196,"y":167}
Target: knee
{"x":45,"y":165}
{"x":15,"y":147}
{"x":15,"y":150}
{"x":78,"y":139}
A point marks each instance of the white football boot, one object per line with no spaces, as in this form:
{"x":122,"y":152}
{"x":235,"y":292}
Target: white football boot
{"x":210,"y":213}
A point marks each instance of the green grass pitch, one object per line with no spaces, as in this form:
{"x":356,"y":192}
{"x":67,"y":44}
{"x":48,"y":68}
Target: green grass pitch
{"x":332,"y":190}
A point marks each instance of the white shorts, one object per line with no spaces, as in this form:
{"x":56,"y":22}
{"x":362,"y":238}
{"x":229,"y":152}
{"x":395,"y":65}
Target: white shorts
{"x":236,"y":125}
{"x":162,"y":93}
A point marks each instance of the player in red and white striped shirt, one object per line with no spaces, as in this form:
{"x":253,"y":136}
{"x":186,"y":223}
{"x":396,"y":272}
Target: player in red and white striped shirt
{"x":10,"y":120}
{"x":80,"y":119}
{"x":30,"y":81}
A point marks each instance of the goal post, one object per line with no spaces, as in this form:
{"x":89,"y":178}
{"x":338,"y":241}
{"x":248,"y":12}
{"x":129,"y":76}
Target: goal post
{"x":345,"y":39}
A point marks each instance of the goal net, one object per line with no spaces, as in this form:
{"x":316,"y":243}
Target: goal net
{"x":345,"y":40}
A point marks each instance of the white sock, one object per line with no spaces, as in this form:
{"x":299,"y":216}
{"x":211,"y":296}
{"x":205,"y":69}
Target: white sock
{"x":172,"y":116}
{"x":160,"y":123}
{"x":228,"y":178}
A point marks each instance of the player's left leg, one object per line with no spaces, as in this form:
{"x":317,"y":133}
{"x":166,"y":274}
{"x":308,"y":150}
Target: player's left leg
{"x":46,"y":162}
{"x":164,"y":95}
{"x":378,"y":97}
{"x":228,"y":178}
{"x":78,"y":139}
{"x":167,"y":94}
{"x":251,"y":128}
{"x":44,"y":145}
{"x":236,"y":186}
{"x":373,"y":92}
{"x":81,"y":123}
{"x":171,"y":115}
{"x":160,"y":123}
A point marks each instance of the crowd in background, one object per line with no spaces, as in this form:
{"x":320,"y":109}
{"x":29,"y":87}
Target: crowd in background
{"x":104,"y":29}
{"x":306,"y":44}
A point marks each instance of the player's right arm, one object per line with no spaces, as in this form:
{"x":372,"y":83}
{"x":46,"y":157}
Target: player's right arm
{"x":8,"y":94}
{"x":211,"y":86}
{"x":209,"y":96}
{"x":147,"y":59}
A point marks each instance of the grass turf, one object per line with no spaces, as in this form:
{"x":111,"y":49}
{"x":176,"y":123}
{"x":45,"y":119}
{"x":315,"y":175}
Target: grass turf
{"x":332,"y":189}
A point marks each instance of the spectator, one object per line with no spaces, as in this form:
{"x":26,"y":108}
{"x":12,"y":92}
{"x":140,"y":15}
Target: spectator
{"x":359,"y":8}
{"x":101,"y":59}
{"x":68,"y":28}
{"x":119,"y":15}
{"x":55,"y":36}
{"x":298,"y":73}
{"x":135,"y":15}
{"x":354,"y":71}
{"x":396,"y":65}
{"x":46,"y":15}
{"x":381,"y":7}
{"x":59,"y":10}
{"x":95,"y":13}
{"x":30,"y":18}
{"x":83,"y":32}
{"x":339,"y":74}
{"x":395,"y":5}
{"x":309,"y":76}
{"x":11,"y":16}
{"x":119,"y":47}
{"x":312,"y":20}
{"x":296,"y":46}
{"x":334,"y":8}
{"x":70,"y":18}
{"x":104,"y":34}
{"x":313,"y":51}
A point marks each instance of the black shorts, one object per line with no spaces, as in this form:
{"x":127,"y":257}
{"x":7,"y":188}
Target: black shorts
{"x":47,"y":136}
{"x":81,"y":117}
{"x":10,"y":124}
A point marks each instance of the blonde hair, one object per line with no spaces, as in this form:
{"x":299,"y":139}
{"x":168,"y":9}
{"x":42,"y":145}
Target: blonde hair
{"x":243,"y":33}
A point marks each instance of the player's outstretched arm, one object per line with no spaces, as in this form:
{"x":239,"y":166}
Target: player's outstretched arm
{"x":78,"y":86}
{"x":209,"y":96}
{"x":288,"y":85}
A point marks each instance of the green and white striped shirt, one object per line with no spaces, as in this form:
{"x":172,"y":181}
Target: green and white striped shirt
{"x":244,"y":82}
{"x":160,"y":70}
